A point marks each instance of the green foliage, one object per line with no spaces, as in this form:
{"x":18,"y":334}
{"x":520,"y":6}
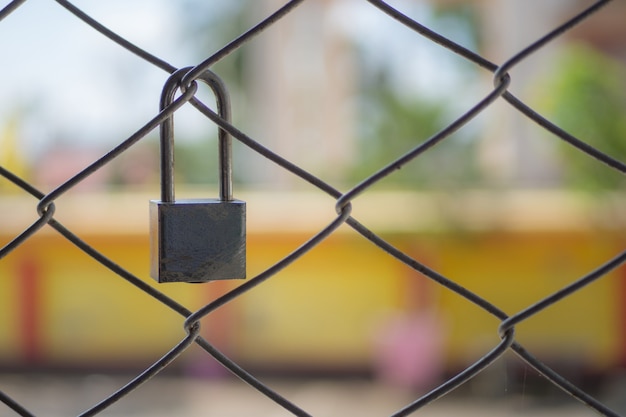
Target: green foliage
{"x":460,"y":22}
{"x":392,"y":125}
{"x":212,"y":24}
{"x":196,"y":162}
{"x":586,"y":96}
{"x":394,"y":118}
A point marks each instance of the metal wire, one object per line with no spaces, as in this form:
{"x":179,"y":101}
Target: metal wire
{"x":185,"y":80}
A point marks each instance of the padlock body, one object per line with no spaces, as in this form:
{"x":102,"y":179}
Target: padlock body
{"x":197,"y":240}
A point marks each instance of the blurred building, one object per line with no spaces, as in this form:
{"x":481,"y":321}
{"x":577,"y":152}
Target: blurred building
{"x":302,"y":76}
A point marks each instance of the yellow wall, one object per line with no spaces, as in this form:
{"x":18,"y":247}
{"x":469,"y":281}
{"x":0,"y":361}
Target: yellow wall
{"x":323,"y":309}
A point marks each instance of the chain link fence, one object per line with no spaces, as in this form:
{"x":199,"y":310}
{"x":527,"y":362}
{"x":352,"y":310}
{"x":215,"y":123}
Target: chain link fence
{"x":191,"y":320}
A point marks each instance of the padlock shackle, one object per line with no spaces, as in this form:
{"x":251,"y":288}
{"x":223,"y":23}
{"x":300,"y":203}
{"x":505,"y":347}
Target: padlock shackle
{"x":172,"y":85}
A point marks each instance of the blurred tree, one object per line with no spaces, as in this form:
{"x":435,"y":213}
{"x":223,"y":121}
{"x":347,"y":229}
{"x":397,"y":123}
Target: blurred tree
{"x":395,"y":118}
{"x":392,"y":125}
{"x":209,"y":25}
{"x":586,"y":96}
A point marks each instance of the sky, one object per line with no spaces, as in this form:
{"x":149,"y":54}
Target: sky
{"x":65,"y":80}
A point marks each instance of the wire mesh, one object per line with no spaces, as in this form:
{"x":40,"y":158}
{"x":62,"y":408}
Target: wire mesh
{"x":46,"y":206}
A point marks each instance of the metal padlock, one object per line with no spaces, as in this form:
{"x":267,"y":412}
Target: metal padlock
{"x":197,"y":240}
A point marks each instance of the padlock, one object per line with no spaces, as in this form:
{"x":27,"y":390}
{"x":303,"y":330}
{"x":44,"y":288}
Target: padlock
{"x":197,"y":240}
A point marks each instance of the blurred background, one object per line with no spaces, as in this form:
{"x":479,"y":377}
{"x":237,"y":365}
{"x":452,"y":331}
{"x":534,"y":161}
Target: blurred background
{"x":502,"y":207}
